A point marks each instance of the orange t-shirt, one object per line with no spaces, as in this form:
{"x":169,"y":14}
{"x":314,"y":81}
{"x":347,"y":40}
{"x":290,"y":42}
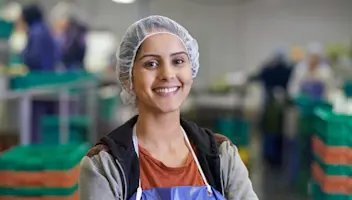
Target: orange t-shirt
{"x":154,"y":174}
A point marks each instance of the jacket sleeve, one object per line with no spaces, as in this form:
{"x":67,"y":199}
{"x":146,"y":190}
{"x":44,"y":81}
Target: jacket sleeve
{"x":237,"y":185}
{"x":99,"y":178}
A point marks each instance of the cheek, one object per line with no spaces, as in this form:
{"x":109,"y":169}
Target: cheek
{"x":186,"y":76}
{"x":142,"y":81}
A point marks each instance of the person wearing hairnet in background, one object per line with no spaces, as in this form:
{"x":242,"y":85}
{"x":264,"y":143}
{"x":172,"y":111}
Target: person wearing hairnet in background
{"x":274,"y":76}
{"x":39,"y":55}
{"x":70,"y":34}
{"x":41,"y":52}
{"x":313,"y":76}
{"x":157,"y":154}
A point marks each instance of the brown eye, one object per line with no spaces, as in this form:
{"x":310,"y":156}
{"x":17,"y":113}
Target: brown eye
{"x":151,"y":64}
{"x":178,"y":61}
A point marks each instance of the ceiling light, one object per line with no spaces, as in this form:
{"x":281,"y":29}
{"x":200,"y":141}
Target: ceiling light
{"x":124,"y":1}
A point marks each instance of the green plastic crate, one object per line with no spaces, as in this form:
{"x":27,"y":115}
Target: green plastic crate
{"x":318,"y":194}
{"x":5,"y":29}
{"x":108,"y":106}
{"x":235,"y":129}
{"x":38,"y":192}
{"x":348,"y":88}
{"x":333,"y":129}
{"x":34,"y":79}
{"x":334,"y":170}
{"x":307,"y":118}
{"x":74,"y":121}
{"x":52,"y":137}
{"x":78,"y":129}
{"x":307,"y":105}
{"x":43,"y":157}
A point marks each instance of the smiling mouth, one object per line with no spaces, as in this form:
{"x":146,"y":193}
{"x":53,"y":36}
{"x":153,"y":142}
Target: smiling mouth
{"x":166,"y":91}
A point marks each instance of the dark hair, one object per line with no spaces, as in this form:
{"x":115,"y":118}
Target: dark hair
{"x":32,"y":13}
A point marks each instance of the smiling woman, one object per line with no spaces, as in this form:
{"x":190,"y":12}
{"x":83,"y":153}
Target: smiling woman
{"x":157,"y":154}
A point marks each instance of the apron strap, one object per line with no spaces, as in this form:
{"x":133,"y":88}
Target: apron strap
{"x":135,"y":144}
{"x":197,"y":162}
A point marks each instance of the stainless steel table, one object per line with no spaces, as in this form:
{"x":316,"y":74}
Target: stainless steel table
{"x":55,"y":92}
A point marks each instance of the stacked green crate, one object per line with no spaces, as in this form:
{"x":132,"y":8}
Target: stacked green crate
{"x":333,"y":156}
{"x":36,"y":78}
{"x":6,"y":28}
{"x":108,"y":106}
{"x":318,"y":194}
{"x":77,"y":131}
{"x":236,"y":130}
{"x":348,"y":88}
{"x":36,"y":172}
{"x":306,"y":107}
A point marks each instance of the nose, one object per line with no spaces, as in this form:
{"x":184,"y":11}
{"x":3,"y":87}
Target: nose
{"x":167,"y":72}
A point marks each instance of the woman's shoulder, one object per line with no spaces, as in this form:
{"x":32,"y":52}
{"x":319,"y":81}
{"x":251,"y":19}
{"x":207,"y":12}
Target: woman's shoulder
{"x":97,"y":157}
{"x":227,"y":149}
{"x":99,"y":178}
{"x":96,"y":150}
{"x":221,"y":139}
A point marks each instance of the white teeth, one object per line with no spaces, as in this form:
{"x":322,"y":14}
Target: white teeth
{"x":166,"y":90}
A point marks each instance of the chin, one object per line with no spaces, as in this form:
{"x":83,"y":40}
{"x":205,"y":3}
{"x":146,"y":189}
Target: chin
{"x":168,"y":108}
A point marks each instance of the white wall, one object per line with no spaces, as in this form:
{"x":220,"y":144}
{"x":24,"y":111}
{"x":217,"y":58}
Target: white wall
{"x":213,"y":26}
{"x":234,"y":36}
{"x":240,"y":36}
{"x":104,"y":14}
{"x":268,"y":24}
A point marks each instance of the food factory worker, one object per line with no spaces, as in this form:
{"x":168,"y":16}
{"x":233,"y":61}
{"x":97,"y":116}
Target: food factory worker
{"x":70,"y":34}
{"x":18,"y":37}
{"x":157,"y":154}
{"x":313,"y":76}
{"x":41,"y":52}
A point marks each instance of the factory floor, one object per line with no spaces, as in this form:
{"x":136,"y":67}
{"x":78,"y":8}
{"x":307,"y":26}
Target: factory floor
{"x":270,"y":183}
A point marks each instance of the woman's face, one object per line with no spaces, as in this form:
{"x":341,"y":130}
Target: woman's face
{"x":162,"y":75}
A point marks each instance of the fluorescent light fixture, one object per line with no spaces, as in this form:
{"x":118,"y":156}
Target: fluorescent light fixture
{"x":124,"y":1}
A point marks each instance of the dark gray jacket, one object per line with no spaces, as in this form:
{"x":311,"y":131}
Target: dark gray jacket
{"x":110,"y":170}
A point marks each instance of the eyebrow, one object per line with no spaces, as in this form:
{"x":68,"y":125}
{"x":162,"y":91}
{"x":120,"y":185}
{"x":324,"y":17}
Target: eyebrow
{"x":158,"y":56}
{"x":178,"y":53}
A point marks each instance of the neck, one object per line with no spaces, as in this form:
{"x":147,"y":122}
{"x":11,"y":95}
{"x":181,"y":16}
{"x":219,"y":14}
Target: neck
{"x":159,"y":128}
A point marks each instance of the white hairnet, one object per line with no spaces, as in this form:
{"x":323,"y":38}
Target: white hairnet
{"x":315,"y":48}
{"x":134,"y":37}
{"x":65,"y":10}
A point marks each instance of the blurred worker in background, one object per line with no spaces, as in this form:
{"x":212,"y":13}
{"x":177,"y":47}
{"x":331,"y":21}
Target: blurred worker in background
{"x":313,"y":76}
{"x":41,"y":52}
{"x":275,"y":72}
{"x":70,"y":34}
{"x":18,"y":37}
{"x":74,"y":47}
{"x":274,"y":76}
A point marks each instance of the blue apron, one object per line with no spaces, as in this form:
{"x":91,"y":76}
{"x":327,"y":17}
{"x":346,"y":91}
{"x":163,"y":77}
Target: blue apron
{"x":313,"y":88}
{"x":180,"y":192}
